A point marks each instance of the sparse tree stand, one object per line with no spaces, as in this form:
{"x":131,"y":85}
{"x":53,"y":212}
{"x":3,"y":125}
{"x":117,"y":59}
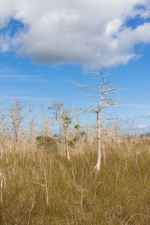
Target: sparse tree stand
{"x":103,"y":90}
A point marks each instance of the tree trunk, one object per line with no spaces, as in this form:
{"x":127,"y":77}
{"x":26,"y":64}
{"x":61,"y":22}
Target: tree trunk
{"x":66,"y":140}
{"x":98,"y":165}
{"x":15,"y":131}
{"x":19,"y":132}
{"x":61,"y":135}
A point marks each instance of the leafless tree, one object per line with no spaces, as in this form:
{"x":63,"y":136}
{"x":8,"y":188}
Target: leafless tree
{"x":58,"y":109}
{"x":31,"y":123}
{"x":103,"y":91}
{"x":42,"y":119}
{"x":16,"y":115}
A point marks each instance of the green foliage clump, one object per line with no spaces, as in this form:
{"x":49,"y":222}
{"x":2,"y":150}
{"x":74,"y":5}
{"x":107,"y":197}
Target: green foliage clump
{"x":76,"y":139}
{"x":67,"y":120}
{"x":71,"y":143}
{"x":82,"y":133}
{"x":47,"y":143}
{"x":77,"y":126}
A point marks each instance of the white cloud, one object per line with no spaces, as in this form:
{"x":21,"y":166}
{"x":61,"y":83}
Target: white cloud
{"x":4,"y":43}
{"x":142,"y":126}
{"x":148,"y":115}
{"x":90,"y":32}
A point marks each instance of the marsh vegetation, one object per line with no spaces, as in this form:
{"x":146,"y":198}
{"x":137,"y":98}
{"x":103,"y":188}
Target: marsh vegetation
{"x":40,"y":185}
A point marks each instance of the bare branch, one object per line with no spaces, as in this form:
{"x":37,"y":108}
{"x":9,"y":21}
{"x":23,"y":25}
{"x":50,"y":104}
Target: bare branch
{"x":110,"y":90}
{"x":103,"y":107}
{"x":93,"y":109}
{"x":85,"y":86}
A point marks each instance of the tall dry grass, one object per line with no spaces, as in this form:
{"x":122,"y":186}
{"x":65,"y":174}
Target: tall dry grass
{"x":42,"y":187}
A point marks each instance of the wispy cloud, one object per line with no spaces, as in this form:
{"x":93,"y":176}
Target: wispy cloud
{"x":20,"y":92}
{"x":6,"y":70}
{"x":35,"y":80}
{"x":134,"y":105}
{"x":9,"y":76}
{"x":23,"y":78}
{"x":15,"y":92}
{"x":25,"y":98}
{"x":18,"y":97}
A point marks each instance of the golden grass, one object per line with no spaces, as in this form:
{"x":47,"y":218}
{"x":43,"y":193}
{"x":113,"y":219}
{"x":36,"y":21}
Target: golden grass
{"x":39,"y":187}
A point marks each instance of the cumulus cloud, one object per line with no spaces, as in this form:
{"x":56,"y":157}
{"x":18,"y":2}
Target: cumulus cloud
{"x":92,"y":32}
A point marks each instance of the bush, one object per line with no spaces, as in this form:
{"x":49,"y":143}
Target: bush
{"x":47,"y":143}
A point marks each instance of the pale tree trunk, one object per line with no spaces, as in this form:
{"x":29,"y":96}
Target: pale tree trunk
{"x":66,"y":140}
{"x":49,"y":130}
{"x":42,"y":120}
{"x":31,"y":125}
{"x":14,"y":131}
{"x":86,"y":133}
{"x":61,"y":133}
{"x":67,"y":151}
{"x":99,"y":155}
{"x":19,"y":132}
{"x":66,"y":143}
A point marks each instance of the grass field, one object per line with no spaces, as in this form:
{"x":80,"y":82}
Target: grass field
{"x":42,"y":187}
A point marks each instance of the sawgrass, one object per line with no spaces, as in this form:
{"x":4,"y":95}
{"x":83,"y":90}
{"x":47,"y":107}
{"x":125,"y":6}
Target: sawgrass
{"x":41,"y":187}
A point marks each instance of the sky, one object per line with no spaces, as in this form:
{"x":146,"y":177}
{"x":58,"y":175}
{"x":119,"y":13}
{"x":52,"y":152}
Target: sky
{"x":45,"y":46}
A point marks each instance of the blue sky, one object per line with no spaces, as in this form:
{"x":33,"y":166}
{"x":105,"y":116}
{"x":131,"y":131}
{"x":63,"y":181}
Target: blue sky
{"x":42,"y":48}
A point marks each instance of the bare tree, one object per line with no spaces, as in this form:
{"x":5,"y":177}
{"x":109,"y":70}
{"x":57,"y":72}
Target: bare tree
{"x":16,"y":115}
{"x":103,"y":90}
{"x":48,"y":126}
{"x":31,"y":123}
{"x":42,"y":119}
{"x":58,"y":109}
{"x":62,"y":116}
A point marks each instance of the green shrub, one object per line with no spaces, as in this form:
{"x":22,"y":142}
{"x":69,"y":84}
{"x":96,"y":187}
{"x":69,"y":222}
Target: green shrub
{"x":47,"y":143}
